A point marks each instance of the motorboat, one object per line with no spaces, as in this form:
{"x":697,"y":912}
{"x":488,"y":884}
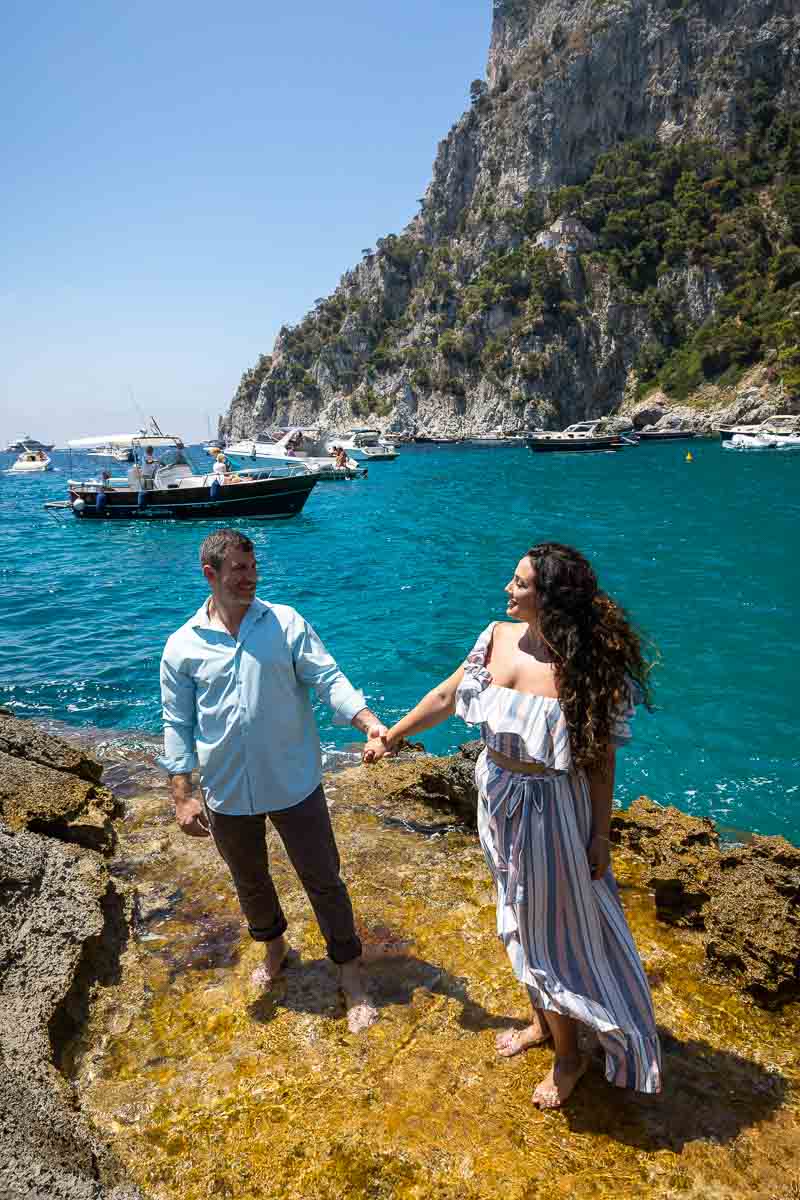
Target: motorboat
{"x":121,"y":454}
{"x":363,"y":446}
{"x":582,"y":436}
{"x":666,"y":435}
{"x":424,"y":439}
{"x":303,"y":444}
{"x":176,"y":489}
{"x":762,"y":441}
{"x":27,"y":443}
{"x":31,"y":462}
{"x":497,"y":437}
{"x":778,"y":424}
{"x":119,"y":446}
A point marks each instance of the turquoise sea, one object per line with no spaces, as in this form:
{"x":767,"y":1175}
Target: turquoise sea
{"x":400,"y":572}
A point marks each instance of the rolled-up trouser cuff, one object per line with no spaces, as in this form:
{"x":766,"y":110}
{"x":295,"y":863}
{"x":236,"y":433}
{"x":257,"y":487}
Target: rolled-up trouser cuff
{"x":269,"y":935}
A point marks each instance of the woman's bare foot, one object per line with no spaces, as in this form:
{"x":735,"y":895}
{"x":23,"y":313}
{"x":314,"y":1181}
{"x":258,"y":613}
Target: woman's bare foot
{"x":515,"y":1041}
{"x":272,"y":966}
{"x":560,"y":1081}
{"x":361,"y":1013}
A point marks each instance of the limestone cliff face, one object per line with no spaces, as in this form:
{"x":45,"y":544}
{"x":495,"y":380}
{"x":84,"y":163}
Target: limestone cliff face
{"x":415,"y":340}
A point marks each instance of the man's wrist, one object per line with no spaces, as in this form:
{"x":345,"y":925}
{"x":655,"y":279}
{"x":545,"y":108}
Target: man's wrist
{"x":365,"y":719}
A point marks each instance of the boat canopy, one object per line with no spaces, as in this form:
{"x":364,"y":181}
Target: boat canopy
{"x":125,"y":441}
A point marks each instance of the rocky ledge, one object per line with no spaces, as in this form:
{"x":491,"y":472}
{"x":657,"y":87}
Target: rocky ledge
{"x":66,"y":959}
{"x":63,"y":925}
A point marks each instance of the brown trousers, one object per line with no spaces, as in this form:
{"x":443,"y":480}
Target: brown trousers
{"x":307,"y":836}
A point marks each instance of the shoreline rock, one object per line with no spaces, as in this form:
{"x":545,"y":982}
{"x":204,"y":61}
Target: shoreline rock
{"x":64,"y":923}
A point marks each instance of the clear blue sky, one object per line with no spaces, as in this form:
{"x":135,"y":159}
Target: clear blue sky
{"x":180,"y":179}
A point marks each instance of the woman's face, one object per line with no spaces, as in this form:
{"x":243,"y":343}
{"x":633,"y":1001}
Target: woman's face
{"x":522,"y":592}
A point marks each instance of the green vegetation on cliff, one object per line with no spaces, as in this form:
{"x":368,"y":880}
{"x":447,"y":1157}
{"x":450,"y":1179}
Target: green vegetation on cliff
{"x":736,"y":216}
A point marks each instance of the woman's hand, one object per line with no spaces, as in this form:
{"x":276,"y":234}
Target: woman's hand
{"x":599,"y":855}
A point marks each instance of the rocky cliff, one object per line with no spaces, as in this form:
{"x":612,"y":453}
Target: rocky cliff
{"x":663,"y":133}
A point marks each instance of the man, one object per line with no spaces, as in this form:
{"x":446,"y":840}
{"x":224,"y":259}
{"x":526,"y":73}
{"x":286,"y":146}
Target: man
{"x":147,"y":470}
{"x":235,"y":685}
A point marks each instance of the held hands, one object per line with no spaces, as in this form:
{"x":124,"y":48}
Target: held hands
{"x":599,"y":855}
{"x":375,"y":748}
{"x":376,"y":745}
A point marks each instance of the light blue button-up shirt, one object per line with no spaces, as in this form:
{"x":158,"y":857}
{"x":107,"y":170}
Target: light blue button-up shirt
{"x":239,"y":708}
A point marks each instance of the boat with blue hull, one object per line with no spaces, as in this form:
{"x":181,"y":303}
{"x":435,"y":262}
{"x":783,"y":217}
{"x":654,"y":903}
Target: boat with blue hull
{"x":171,"y":488}
{"x":582,"y":437}
{"x":264,"y":497}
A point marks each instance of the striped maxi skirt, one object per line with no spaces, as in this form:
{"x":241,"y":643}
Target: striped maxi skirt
{"x":566,"y":934}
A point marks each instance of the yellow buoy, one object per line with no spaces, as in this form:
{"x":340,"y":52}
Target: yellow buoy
{"x":689,"y":457}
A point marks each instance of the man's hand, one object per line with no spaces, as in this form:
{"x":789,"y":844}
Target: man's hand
{"x":189,"y":811}
{"x":599,"y":854}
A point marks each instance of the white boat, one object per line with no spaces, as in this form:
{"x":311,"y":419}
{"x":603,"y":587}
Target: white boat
{"x":304,"y":444}
{"x":26,"y":443}
{"x":498,"y":438}
{"x":121,"y":454}
{"x":779,"y":424}
{"x":31,"y":462}
{"x":363,"y":446}
{"x":762,"y":441}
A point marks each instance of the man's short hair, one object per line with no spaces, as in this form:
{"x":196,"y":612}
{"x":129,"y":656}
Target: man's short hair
{"x":217,"y":545}
{"x":148,"y":449}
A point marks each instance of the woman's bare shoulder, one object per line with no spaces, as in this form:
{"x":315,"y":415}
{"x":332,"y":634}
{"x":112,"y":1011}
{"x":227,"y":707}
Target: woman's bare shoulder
{"x":504,"y":630}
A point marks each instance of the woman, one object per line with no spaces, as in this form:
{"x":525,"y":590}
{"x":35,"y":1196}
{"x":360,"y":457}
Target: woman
{"x":553,"y":696}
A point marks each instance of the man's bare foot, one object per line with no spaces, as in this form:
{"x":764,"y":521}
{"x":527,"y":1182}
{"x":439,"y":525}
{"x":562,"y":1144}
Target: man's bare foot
{"x":272,"y":966}
{"x":361,"y":1013}
{"x":515,"y":1041}
{"x":559,"y":1082}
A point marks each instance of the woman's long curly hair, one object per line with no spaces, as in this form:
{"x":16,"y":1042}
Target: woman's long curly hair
{"x":596,"y":651}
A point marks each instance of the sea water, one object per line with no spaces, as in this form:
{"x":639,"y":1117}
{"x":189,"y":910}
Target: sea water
{"x":401,"y":571}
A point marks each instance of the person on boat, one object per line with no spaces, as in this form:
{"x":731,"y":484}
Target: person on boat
{"x":340,"y":458}
{"x":223,"y":471}
{"x":553,"y":691}
{"x":148,"y":469}
{"x":235,"y":683}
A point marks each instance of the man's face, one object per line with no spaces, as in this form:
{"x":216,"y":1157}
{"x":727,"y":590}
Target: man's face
{"x":234,"y":584}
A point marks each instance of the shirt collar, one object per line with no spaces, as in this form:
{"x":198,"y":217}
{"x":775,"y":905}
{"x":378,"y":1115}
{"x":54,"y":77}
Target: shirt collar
{"x":201,"y":619}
